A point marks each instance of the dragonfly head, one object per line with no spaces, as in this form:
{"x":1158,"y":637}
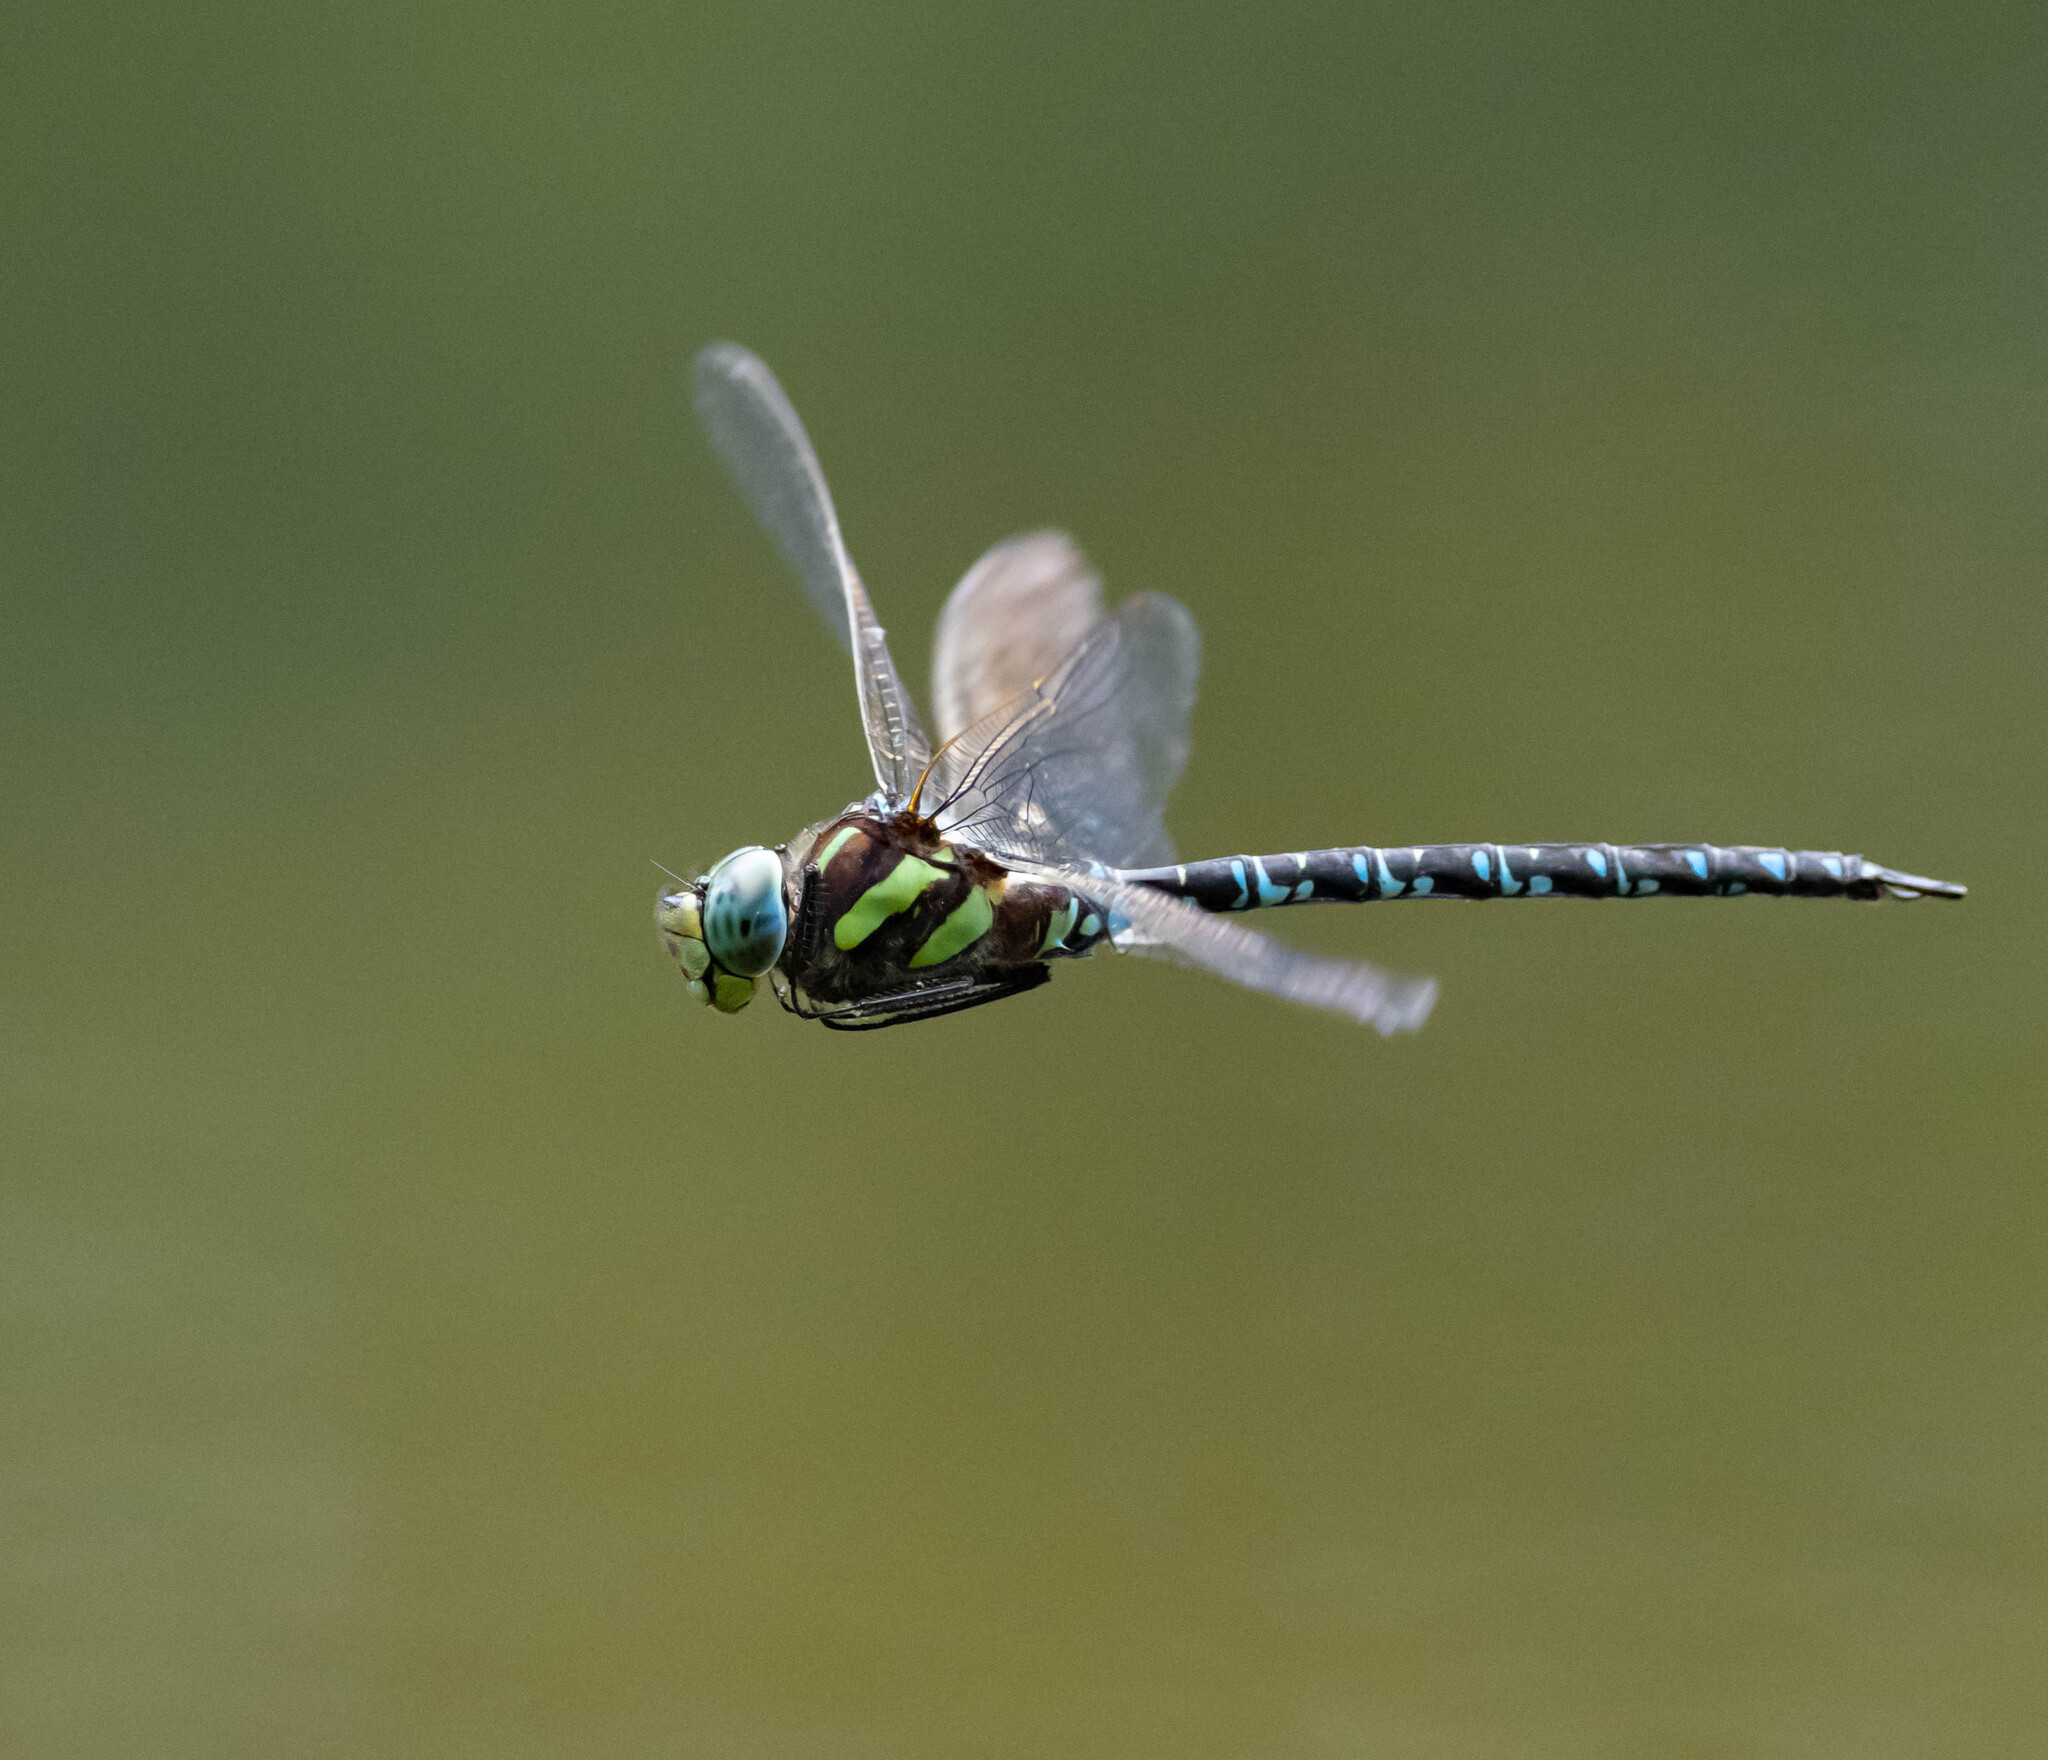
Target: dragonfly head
{"x":727,"y":928}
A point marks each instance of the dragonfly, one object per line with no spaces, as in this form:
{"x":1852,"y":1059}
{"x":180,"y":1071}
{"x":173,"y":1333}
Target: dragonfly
{"x":1033,"y":830}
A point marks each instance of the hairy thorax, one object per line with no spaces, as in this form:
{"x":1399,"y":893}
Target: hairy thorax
{"x":883,"y":900}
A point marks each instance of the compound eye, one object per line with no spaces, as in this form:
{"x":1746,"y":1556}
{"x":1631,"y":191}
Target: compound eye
{"x":745,"y":922}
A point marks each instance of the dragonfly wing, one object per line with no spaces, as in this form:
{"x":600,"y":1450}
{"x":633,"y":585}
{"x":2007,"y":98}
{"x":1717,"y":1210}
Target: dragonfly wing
{"x":1150,"y":923}
{"x":1014,"y":616}
{"x":763,"y":445}
{"x":1076,"y":767}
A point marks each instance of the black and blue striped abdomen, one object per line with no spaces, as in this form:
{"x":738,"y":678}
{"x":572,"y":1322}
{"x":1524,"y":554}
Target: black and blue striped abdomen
{"x":1529,"y":870}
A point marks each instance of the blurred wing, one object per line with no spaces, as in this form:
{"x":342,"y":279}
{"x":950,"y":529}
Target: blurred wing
{"x":1149,"y":923}
{"x":1076,"y":767}
{"x":1014,"y":616}
{"x":769,"y":456}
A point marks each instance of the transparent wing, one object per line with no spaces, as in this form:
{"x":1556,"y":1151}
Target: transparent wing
{"x":764,"y":447}
{"x":1149,"y":923}
{"x":1076,"y":767}
{"x":1014,"y":616}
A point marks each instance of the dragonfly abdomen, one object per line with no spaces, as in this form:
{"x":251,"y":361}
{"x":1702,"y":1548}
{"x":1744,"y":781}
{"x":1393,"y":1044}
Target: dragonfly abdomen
{"x":1364,"y":874}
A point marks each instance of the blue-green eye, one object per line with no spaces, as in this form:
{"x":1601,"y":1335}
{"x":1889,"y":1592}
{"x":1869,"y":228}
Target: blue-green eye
{"x":744,"y":918}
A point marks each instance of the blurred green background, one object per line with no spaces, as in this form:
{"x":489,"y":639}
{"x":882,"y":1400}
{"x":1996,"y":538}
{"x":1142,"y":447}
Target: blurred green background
{"x":428,"y":1334}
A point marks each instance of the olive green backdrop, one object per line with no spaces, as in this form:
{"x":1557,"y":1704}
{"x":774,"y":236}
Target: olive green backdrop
{"x":427,"y":1334}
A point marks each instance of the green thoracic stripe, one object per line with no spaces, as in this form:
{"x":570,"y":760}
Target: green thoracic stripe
{"x":837,"y":844}
{"x":965,"y":924}
{"x":897,"y":890}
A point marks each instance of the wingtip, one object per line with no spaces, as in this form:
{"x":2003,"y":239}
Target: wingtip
{"x":1407,"y":1009}
{"x":718,"y":363}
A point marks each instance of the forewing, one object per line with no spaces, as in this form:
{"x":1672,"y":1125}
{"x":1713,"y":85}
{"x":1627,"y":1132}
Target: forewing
{"x":763,"y":445}
{"x":1014,"y":616}
{"x":1077,"y":766}
{"x":1150,"y":923}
